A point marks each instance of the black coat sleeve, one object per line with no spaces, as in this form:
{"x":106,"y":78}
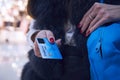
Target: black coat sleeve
{"x":45,"y":68}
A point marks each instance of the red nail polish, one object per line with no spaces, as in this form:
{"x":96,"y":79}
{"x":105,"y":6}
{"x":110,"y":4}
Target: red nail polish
{"x":87,"y":33}
{"x":52,"y":40}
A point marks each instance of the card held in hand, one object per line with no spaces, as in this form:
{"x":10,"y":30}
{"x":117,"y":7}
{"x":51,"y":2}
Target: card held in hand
{"x":48,"y":50}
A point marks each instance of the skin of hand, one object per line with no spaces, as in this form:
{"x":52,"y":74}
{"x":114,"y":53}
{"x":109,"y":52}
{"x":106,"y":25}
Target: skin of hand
{"x":98,"y":15}
{"x":45,"y":34}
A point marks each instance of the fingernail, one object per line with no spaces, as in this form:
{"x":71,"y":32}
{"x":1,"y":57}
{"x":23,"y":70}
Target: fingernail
{"x":87,"y":33}
{"x":52,"y":40}
{"x":79,"y":25}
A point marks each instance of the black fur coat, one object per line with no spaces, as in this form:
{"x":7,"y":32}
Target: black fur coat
{"x":53,"y":15}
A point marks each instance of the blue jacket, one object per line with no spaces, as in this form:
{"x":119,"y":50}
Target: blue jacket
{"x":104,"y":52}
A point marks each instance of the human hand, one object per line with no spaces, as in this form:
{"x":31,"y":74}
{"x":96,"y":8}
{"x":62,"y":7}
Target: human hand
{"x":45,"y":34}
{"x":98,"y":15}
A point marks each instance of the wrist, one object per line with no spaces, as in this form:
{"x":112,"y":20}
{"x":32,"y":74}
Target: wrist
{"x":34,"y":35}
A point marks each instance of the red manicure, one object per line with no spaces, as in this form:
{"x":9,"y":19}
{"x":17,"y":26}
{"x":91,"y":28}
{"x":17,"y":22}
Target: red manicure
{"x":87,"y":33}
{"x":52,"y":40}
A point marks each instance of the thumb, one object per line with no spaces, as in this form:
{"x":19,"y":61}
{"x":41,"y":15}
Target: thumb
{"x":58,"y":42}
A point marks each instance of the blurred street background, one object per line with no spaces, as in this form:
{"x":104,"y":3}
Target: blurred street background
{"x":14,"y":23}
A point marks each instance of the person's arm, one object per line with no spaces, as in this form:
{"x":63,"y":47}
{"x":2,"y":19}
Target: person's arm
{"x":45,"y":68}
{"x":98,"y":15}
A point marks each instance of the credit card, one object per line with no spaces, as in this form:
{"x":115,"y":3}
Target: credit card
{"x":48,"y":50}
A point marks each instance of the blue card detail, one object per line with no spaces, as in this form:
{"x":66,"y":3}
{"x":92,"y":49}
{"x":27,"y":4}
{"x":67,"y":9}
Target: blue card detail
{"x":48,"y":50}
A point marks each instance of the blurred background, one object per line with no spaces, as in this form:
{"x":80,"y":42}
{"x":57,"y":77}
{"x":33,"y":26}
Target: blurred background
{"x":14,"y":23}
